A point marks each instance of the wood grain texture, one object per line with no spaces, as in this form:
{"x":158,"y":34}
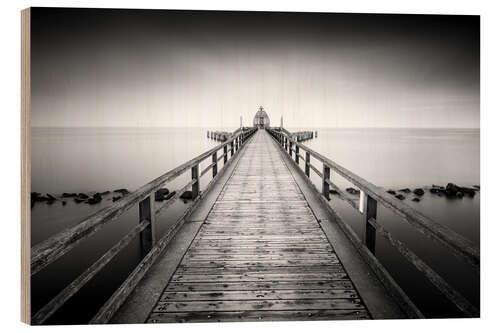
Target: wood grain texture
{"x":260,"y":255}
{"x":25,"y":165}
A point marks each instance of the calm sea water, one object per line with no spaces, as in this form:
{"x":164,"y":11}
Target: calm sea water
{"x":100,"y":159}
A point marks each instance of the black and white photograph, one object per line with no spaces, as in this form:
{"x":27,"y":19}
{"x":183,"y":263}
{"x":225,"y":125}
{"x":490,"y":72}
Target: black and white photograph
{"x":195,"y":166}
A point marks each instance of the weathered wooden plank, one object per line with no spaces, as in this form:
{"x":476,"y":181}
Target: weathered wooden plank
{"x":260,"y":269}
{"x":237,"y":295}
{"x":257,"y":251}
{"x":222,"y":316}
{"x":248,"y":305}
{"x":261,"y":285}
{"x":260,"y":276}
{"x":254,"y":263}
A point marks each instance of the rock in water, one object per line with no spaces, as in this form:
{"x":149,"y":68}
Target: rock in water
{"x":477,"y":186}
{"x":96,"y":198}
{"x":116,"y":198}
{"x":391,"y":192}
{"x":400,"y":197}
{"x":171,"y":194}
{"x":352,"y":191}
{"x":415,"y":199}
{"x":83,"y":196}
{"x":69,"y":195}
{"x":93,"y":201}
{"x":188,"y":195}
{"x":469,"y":191}
{"x":51,"y":197}
{"x":123,"y":191}
{"x":334,"y":192}
{"x":418,"y":191}
{"x":405,"y":190}
{"x":161,"y":194}
{"x":452,"y":189}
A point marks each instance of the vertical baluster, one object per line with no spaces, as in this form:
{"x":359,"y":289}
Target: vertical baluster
{"x":297,"y":154}
{"x":225,"y":154}
{"x":290,"y":148}
{"x":232,"y":148}
{"x":370,"y":231}
{"x":195,"y":188}
{"x":214,"y":162}
{"x":147,"y":213}
{"x":308,"y":161}
{"x":326,"y":186}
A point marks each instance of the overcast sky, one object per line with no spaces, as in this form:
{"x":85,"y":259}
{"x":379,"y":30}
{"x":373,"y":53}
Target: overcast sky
{"x":205,"y":69}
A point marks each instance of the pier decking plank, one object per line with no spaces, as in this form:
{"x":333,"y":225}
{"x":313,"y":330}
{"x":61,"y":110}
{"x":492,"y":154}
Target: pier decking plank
{"x":260,"y":255}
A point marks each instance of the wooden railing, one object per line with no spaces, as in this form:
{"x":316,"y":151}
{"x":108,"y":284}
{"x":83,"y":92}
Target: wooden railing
{"x":373,"y":196}
{"x":56,"y":246}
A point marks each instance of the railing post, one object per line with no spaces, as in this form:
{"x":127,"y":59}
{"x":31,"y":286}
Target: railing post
{"x":232,"y":148}
{"x":147,"y":213}
{"x":214,"y":162}
{"x":290,"y":148}
{"x":195,"y":188}
{"x":326,"y":186}
{"x":225,"y":154}
{"x":370,"y":230}
{"x":297,"y":153}
{"x":308,"y":161}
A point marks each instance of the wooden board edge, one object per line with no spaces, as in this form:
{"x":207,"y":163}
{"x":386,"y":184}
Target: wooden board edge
{"x":25,"y":165}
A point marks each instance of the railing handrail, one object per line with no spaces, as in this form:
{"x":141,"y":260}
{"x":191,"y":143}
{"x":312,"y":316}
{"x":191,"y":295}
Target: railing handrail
{"x":464,"y":248}
{"x":54,"y":247}
{"x":459,"y":245}
{"x":47,"y":251}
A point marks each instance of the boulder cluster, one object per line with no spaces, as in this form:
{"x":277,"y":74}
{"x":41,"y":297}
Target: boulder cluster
{"x":87,"y":198}
{"x":450,"y":191}
{"x":94,"y":198}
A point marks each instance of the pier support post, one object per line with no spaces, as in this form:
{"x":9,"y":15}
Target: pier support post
{"x":147,"y":213}
{"x":308,"y":161}
{"x":370,"y":230}
{"x":195,"y":188}
{"x":232,"y":148}
{"x":326,"y":186}
{"x":290,"y":148}
{"x":225,"y":154}
{"x":214,"y":162}
{"x":297,"y":154}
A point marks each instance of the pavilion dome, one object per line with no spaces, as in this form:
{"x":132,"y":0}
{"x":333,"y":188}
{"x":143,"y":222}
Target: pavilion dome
{"x":261,"y":118}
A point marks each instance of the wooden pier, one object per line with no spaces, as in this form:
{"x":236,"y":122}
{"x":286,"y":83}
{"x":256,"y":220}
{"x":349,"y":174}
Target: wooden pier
{"x":258,"y":243}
